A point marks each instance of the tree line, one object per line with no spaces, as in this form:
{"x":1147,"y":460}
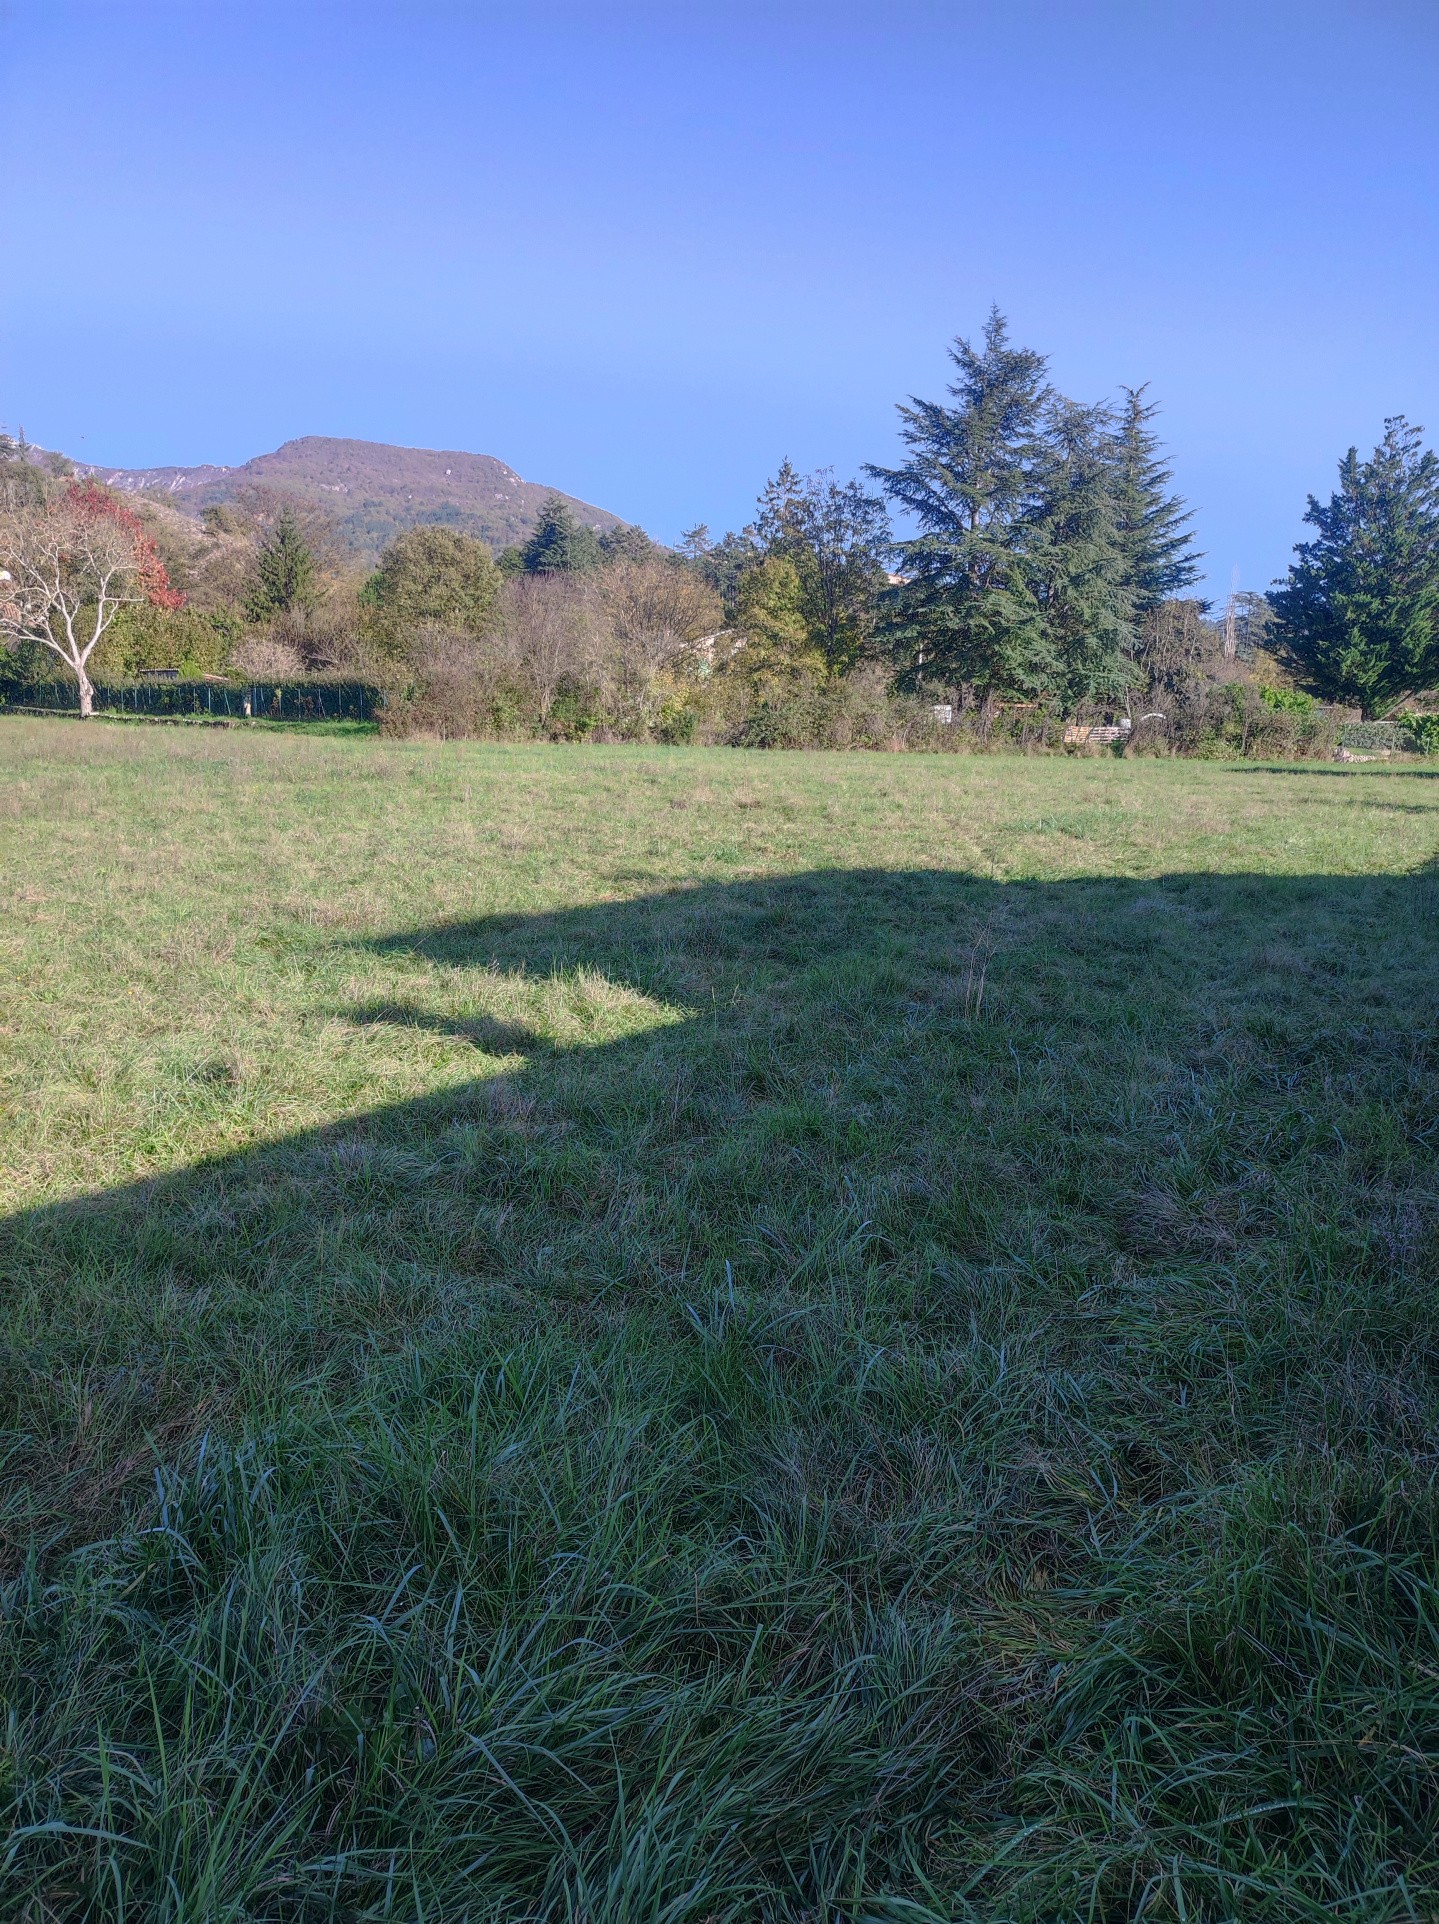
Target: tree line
{"x":1044,"y":569}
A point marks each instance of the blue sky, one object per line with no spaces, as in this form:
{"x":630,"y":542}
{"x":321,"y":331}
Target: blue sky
{"x":644,"y":252}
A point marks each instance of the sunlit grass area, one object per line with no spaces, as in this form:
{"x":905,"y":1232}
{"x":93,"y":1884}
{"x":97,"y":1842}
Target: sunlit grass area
{"x":661,"y":1334}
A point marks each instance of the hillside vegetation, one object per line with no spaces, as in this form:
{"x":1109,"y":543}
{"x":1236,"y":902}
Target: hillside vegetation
{"x":655,"y":1334}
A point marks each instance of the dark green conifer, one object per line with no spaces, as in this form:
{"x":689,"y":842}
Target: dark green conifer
{"x":1078,"y":565}
{"x":1151,"y":522}
{"x":627,"y":542}
{"x":285,"y":572}
{"x":1359,"y":613}
{"x":965,"y":611}
{"x":560,"y":544}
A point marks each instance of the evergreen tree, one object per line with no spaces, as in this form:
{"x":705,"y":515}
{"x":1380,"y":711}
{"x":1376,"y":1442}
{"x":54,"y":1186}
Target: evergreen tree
{"x":560,"y":544}
{"x":284,"y":572}
{"x":973,"y":482}
{"x":1078,"y":563}
{"x":1358,"y":617}
{"x":627,"y":542}
{"x":781,"y":508}
{"x":1151,"y":523}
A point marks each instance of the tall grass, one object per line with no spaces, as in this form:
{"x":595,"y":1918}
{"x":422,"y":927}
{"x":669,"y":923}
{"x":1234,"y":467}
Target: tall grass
{"x":660,"y":1336}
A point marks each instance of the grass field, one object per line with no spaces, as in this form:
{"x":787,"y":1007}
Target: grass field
{"x":657,"y":1335}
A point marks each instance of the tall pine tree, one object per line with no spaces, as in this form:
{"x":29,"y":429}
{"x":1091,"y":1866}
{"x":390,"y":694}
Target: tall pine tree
{"x":1077,"y":562}
{"x":1359,"y":613}
{"x":1151,"y":522}
{"x":973,"y":481}
{"x":560,"y":544}
{"x":285,"y":572}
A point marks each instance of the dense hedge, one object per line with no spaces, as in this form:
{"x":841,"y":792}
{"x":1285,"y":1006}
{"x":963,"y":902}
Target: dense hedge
{"x":274,"y":701}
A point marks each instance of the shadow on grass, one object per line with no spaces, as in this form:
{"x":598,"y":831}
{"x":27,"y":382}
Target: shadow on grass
{"x":880,"y":1074}
{"x":905,"y":1368}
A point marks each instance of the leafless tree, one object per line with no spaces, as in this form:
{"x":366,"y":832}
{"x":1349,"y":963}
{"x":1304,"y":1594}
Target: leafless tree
{"x":1179,"y":648}
{"x":69,"y":574}
{"x":263,"y":658}
{"x":210,"y":561}
{"x":454,"y":683}
{"x":324,"y":636}
{"x":657,"y":613}
{"x":553,"y":627}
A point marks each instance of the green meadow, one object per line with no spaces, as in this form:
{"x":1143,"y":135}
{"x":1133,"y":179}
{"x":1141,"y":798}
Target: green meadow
{"x":665,"y":1336}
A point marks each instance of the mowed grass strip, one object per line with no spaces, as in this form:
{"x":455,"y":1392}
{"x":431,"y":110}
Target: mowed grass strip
{"x":654,"y":1334}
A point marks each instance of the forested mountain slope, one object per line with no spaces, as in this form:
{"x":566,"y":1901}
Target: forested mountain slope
{"x":369,"y":489}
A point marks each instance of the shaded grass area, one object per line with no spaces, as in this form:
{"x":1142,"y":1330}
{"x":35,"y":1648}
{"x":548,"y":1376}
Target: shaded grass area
{"x":621,"y":1335}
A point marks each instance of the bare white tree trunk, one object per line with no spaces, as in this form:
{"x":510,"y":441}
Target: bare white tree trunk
{"x":68,"y":573}
{"x":1231,"y":621}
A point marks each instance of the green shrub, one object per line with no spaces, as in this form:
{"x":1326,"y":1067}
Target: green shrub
{"x":677,"y":723}
{"x":143,"y":638}
{"x":1232,"y":721}
{"x":574,"y":715}
{"x":1288,"y":701}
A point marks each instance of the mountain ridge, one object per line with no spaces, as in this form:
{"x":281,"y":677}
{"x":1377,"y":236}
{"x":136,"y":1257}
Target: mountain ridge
{"x":369,"y":490}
